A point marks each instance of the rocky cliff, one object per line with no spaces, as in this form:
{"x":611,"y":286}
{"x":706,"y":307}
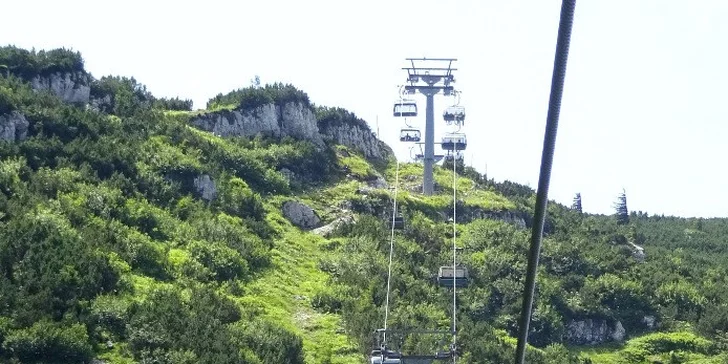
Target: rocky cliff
{"x":70,"y":87}
{"x":357,"y":137}
{"x":292,"y":119}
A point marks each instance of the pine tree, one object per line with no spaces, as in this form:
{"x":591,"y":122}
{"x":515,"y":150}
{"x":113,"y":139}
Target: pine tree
{"x":620,"y":206}
{"x":577,"y":203}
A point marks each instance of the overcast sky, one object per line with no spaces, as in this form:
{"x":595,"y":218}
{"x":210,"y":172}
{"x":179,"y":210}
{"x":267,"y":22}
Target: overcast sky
{"x":645,"y":97}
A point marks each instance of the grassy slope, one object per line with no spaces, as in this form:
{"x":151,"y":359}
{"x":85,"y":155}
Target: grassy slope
{"x":286,"y":290}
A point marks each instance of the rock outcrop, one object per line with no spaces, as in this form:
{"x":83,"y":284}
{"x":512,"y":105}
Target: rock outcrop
{"x":206,"y":187}
{"x":592,"y":332}
{"x":70,"y":87}
{"x":292,"y":119}
{"x":356,"y":137}
{"x":301,"y":215}
{"x":329,"y":228}
{"x":13,"y":127}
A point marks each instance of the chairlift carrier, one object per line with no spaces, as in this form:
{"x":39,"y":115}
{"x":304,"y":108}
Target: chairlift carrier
{"x":409,"y":135}
{"x":454,"y":114}
{"x":445,"y":277}
{"x":405,"y":108}
{"x":454,"y":141}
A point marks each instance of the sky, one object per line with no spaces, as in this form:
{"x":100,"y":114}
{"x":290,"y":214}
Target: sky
{"x":643,"y":99}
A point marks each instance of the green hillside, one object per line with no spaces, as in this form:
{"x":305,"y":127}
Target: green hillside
{"x":109,"y":250}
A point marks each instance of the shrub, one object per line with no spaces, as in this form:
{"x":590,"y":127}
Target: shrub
{"x":49,"y":342}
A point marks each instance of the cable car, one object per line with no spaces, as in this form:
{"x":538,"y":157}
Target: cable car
{"x":445,"y":277}
{"x":398,"y":222}
{"x":454,"y":114}
{"x":409,"y":135}
{"x":454,"y":141}
{"x":406,"y":108}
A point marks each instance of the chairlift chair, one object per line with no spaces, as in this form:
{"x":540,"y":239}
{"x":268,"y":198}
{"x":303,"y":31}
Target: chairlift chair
{"x":409,"y":135}
{"x":454,"y":141}
{"x":405,"y":108}
{"x":399,"y":222}
{"x":454,"y":114}
{"x":457,"y":156}
{"x":446,"y":277}
{"x":420,"y":157}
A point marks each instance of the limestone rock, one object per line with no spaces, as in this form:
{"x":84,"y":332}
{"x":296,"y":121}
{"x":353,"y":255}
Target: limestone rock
{"x":70,"y":87}
{"x":301,"y":215}
{"x":294,"y":120}
{"x":205,"y":187}
{"x":592,"y":332}
{"x":13,"y":127}
{"x":329,"y":228}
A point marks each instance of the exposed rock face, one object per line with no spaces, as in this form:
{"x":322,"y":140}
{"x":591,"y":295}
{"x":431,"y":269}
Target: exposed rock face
{"x":328,"y":229}
{"x":70,"y":87}
{"x":101,"y":104}
{"x":300,"y":215}
{"x":205,"y":187}
{"x":13,"y":127}
{"x":293,"y":119}
{"x":592,"y":332}
{"x":356,"y":137}
{"x":650,"y":322}
{"x":378,"y":182}
{"x":638,"y":252}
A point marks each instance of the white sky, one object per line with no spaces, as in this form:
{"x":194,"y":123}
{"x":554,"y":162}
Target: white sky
{"x":642,"y":107}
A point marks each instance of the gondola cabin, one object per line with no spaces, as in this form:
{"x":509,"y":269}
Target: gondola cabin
{"x":446,"y":277}
{"x":409,"y":135}
{"x":454,"y":114}
{"x":405,"y":108}
{"x":454,"y":141}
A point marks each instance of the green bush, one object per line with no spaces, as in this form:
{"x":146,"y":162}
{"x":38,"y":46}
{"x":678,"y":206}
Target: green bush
{"x":252,"y":97}
{"x":236,"y":198}
{"x":225,"y":263}
{"x":49,"y":342}
{"x":7,"y":102}
{"x":28,"y":64}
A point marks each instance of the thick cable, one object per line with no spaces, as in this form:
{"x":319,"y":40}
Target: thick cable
{"x":549,"y":143}
{"x":454,"y":254}
{"x":391,"y":253}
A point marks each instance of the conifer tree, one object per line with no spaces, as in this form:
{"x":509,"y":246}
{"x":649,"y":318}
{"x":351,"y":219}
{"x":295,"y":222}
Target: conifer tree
{"x":577,"y":203}
{"x":620,"y":206}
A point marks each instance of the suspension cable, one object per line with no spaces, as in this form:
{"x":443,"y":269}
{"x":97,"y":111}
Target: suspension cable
{"x":547,"y":157}
{"x":391,"y":253}
{"x":454,"y":254}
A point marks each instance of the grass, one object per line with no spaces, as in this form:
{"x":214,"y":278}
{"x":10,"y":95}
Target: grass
{"x":356,"y":164}
{"x":284,"y":293}
{"x":657,"y":347}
